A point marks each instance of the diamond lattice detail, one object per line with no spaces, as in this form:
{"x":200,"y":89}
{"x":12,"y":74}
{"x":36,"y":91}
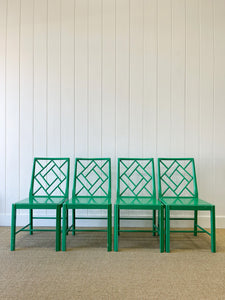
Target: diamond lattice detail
{"x":177,"y":178}
{"x":92,"y":177}
{"x":135,"y":177}
{"x":49,"y":178}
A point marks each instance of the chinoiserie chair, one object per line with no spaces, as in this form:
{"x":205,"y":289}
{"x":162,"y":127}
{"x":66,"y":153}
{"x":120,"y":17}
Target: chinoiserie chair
{"x":136,"y":190}
{"x":91,"y":190}
{"x":48,"y":190}
{"x":178,"y":190}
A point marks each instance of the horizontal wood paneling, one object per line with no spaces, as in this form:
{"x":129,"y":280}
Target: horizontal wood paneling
{"x":112,"y":78}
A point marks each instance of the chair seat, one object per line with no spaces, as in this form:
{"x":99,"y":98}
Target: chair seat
{"x":40,"y":202}
{"x":88,"y":202}
{"x":187,"y":203}
{"x":138,"y":202}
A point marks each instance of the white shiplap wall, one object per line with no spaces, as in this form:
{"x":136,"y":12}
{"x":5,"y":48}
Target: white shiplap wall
{"x":112,"y":78}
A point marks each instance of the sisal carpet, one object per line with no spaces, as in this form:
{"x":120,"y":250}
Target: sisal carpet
{"x":87,"y":271}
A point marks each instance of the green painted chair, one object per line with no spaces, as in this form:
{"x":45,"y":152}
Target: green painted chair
{"x":136,"y":190}
{"x":178,"y":190}
{"x":91,"y":190}
{"x":48,"y":190}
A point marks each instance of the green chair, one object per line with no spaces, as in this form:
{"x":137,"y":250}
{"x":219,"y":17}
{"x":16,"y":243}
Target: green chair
{"x":136,"y":190}
{"x":48,"y":190}
{"x":91,"y":190}
{"x":178,"y":191}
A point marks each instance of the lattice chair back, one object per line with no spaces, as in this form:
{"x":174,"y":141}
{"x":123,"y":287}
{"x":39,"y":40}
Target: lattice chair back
{"x":92,"y":177}
{"x":136,"y":177}
{"x":177,"y":177}
{"x":50,"y":177}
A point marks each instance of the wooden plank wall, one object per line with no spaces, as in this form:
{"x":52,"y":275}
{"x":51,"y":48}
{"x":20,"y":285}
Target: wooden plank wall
{"x":115,"y":78}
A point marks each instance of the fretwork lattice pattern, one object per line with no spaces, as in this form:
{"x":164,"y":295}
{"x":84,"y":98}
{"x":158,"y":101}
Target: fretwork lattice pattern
{"x":92,"y":177}
{"x":177,"y":178}
{"x":49,"y":177}
{"x":136,"y":177}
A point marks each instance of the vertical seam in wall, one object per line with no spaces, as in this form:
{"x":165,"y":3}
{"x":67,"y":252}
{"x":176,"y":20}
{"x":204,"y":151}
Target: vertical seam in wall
{"x":143,"y":79}
{"x":46,"y":104}
{"x":129,"y":92}
{"x":33,"y":85}
{"x":213,"y":129}
{"x":60,"y":77}
{"x":101,"y":81}
{"x":74,"y":80}
{"x":115,"y":88}
{"x":88,"y":78}
{"x":102,"y":213}
{"x":47,"y":34}
{"x":157,"y":76}
{"x":101,"y":71}
{"x":115,"y":106}
{"x":19,"y":92}
{"x":171,"y":72}
{"x":199,"y":89}
{"x":88,"y":102}
{"x":6,"y":39}
{"x":185,"y":76}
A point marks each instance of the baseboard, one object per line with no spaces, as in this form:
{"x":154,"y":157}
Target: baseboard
{"x":22,"y":219}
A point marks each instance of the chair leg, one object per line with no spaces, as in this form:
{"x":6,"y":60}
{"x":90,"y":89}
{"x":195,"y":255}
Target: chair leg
{"x":167,"y":229}
{"x":64,"y":231}
{"x":195,"y":222}
{"x":31,"y":221}
{"x":213,"y":229}
{"x":13,"y":228}
{"x":161,"y":228}
{"x":116,"y":213}
{"x":73,"y":221}
{"x":109,"y":228}
{"x":67,"y":222}
{"x":58,"y":229}
{"x":118,"y":222}
{"x":153,"y":222}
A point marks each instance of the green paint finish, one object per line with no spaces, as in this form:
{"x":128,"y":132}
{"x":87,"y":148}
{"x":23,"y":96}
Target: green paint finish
{"x":195,"y":222}
{"x":135,"y":177}
{"x":50,"y":177}
{"x":40,"y":202}
{"x":138,"y":202}
{"x":48,"y":190}
{"x":181,"y":202}
{"x":177,"y":185}
{"x":213,"y":229}
{"x":89,"y":202}
{"x":92,"y":177}
{"x":116,"y":225}
{"x":136,"y":190}
{"x":13,"y":227}
{"x":91,"y":190}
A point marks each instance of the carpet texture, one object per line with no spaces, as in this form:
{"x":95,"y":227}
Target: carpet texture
{"x":87,"y":271}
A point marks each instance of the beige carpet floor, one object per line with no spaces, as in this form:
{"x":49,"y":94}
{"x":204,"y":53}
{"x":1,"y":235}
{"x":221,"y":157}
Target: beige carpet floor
{"x":87,"y":271}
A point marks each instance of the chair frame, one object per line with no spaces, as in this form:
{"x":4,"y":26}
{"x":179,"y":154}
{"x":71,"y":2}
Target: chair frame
{"x":154,"y":205}
{"x":47,"y":201}
{"x":88,"y":202}
{"x":185,"y":203}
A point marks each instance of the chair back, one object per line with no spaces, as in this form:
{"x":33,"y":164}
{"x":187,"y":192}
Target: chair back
{"x":50,"y":177}
{"x":136,"y":177}
{"x":92,"y":177}
{"x":177,"y":177}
